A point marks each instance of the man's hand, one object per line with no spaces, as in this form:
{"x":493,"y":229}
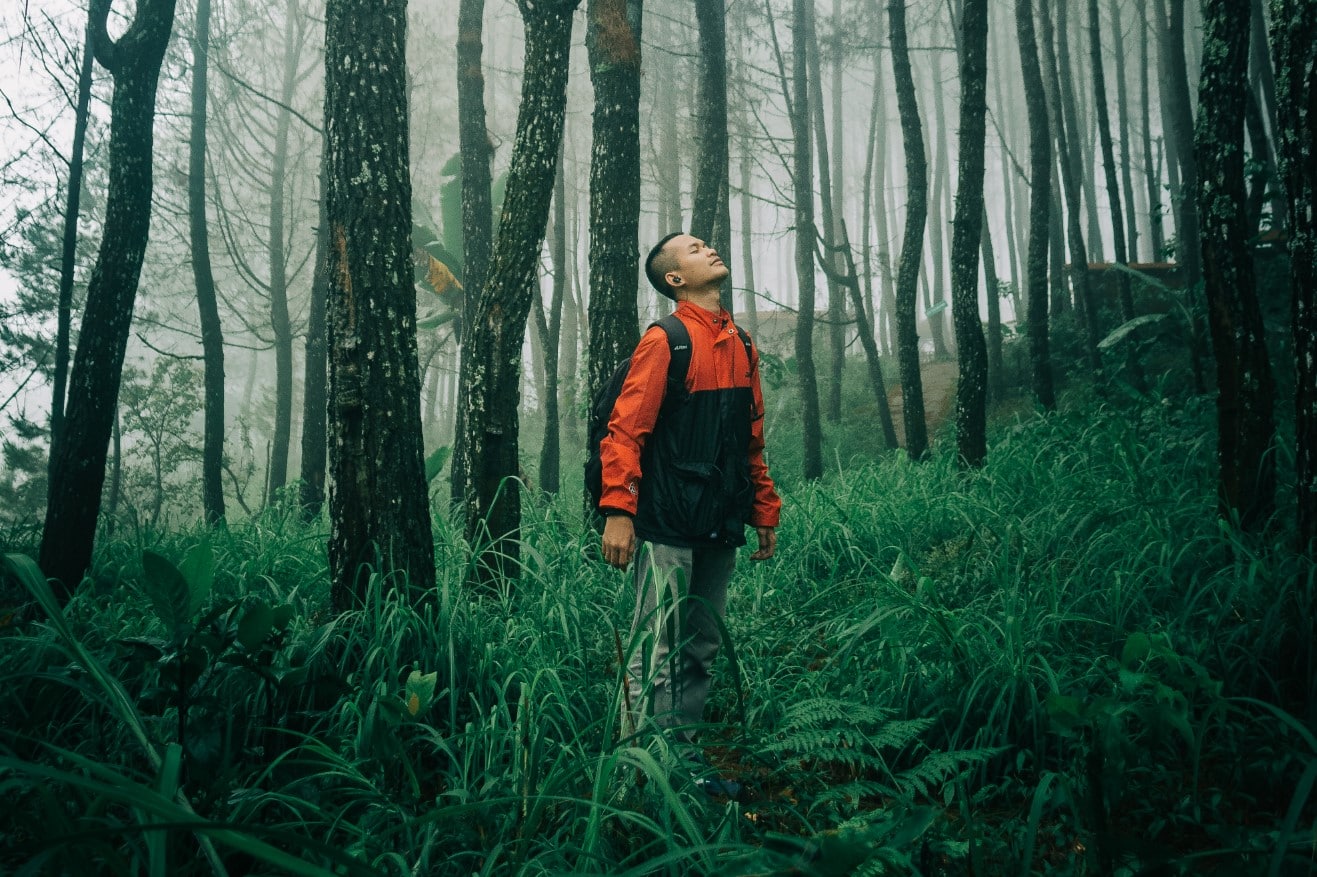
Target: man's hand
{"x":619,"y":540}
{"x":767,"y":543}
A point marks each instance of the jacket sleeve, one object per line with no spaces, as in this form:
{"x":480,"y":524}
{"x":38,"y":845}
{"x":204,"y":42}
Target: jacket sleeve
{"x":766,"y":510}
{"x":632,"y":422}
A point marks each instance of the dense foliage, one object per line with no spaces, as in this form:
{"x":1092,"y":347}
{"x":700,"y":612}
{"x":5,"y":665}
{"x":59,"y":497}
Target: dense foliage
{"x":1058,"y":664}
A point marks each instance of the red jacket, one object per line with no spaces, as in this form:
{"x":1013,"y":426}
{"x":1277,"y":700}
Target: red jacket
{"x":718,"y":362}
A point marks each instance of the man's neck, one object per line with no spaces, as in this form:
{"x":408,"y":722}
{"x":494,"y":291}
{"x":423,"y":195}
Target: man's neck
{"x":709,"y":298}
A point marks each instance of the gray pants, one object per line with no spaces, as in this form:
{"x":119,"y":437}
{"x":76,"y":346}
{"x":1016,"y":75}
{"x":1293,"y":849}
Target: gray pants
{"x":681,"y":596}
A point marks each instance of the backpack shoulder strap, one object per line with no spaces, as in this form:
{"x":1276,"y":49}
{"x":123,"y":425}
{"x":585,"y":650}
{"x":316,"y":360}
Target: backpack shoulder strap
{"x":679,"y":345}
{"x":749,"y":348}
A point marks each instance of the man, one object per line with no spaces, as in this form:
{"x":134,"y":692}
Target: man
{"x":681,"y":482}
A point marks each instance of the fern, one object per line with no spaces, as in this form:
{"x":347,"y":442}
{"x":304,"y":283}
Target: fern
{"x":939,"y":767}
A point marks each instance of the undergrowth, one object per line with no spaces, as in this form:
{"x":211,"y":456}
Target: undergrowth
{"x":1061,"y":664}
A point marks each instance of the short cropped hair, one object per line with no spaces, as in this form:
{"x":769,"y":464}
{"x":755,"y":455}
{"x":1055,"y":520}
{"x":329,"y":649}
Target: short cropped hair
{"x":658,"y":264}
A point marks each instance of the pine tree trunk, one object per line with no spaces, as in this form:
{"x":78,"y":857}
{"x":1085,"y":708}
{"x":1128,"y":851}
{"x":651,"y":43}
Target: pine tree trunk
{"x":966,"y":239}
{"x":1123,"y":127}
{"x":477,"y":202}
{"x":803,"y":179}
{"x":1156,"y":233}
{"x":1040,"y":205}
{"x":1245,"y":388}
{"x":916,"y":213}
{"x":711,"y":127}
{"x":1069,"y":161}
{"x":69,"y":248}
{"x":992,"y":284}
{"x":1175,"y":79}
{"x":314,"y":396}
{"x":1109,"y":160}
{"x":77,"y":471}
{"x":613,"y":41}
{"x":491,"y":370}
{"x":550,"y":450}
{"x":939,"y":216}
{"x":1294,"y":39}
{"x":378,"y":507}
{"x":212,"y":335}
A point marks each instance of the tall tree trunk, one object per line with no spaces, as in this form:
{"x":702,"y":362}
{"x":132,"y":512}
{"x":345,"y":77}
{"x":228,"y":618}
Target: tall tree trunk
{"x":613,"y":42}
{"x":491,"y":370}
{"x":1123,"y":127}
{"x":280,"y":321}
{"x":939,"y":216}
{"x":379,"y":511}
{"x":992,"y":285}
{"x":1069,"y":162}
{"x":831,"y":257}
{"x":477,"y":202}
{"x":803,"y":179}
{"x":916,"y":213}
{"x":314,"y":395}
{"x":1262,"y":74}
{"x":1156,"y":234}
{"x":1079,"y":130}
{"x":1175,"y":94}
{"x":711,"y":114}
{"x":550,"y":450}
{"x":1245,"y":389}
{"x":751,"y":314}
{"x":1040,"y":205}
{"x":69,"y":247}
{"x":77,"y":471}
{"x":212,"y":335}
{"x":966,"y":239}
{"x":1294,"y":37}
{"x":1109,"y":160}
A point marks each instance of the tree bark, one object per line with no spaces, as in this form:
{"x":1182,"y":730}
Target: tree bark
{"x":1245,"y":388}
{"x":212,"y":334}
{"x":551,"y":449}
{"x":378,"y":508}
{"x":1126,"y":299}
{"x":939,"y":210}
{"x":1040,"y":204}
{"x":916,"y":213}
{"x":1294,"y":43}
{"x":1156,"y":233}
{"x":1175,"y":84}
{"x":69,"y":247}
{"x":1123,"y":127}
{"x":966,"y":239}
{"x":710,"y":200}
{"x":491,"y":369}
{"x":477,"y":200}
{"x":77,"y":471}
{"x":613,"y":42}
{"x":803,"y":179}
{"x":1069,"y":161}
{"x":314,"y":382}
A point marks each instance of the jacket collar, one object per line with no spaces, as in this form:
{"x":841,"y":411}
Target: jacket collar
{"x":714,"y":322}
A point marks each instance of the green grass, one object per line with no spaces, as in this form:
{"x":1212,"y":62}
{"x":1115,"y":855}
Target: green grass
{"x":1061,"y":664}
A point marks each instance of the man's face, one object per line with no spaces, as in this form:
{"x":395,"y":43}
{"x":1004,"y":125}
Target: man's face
{"x":697,"y":264}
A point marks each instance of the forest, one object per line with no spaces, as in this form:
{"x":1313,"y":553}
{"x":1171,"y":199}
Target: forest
{"x":304,"y":307}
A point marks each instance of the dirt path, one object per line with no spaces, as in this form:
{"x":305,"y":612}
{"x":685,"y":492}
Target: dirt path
{"x":939,"y":383}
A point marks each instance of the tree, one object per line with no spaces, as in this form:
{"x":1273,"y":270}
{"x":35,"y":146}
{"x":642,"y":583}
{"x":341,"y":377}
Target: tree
{"x":966,"y":239}
{"x":212,"y":333}
{"x":1040,"y":203}
{"x":314,"y":395}
{"x":1175,"y":98}
{"x":613,"y":43}
{"x":916,"y":212}
{"x":1245,"y":389}
{"x":477,"y":198}
{"x":803,"y":189}
{"x":491,"y":369}
{"x":70,"y":242}
{"x":378,"y":508}
{"x":550,"y":333}
{"x":710,"y":201}
{"x":1294,"y":29}
{"x":77,"y":470}
{"x":1109,"y":159}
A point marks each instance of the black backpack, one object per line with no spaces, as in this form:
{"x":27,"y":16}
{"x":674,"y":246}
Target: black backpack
{"x":601,"y":406}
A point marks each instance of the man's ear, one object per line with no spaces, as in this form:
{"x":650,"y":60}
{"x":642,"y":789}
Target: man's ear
{"x":674,"y":279}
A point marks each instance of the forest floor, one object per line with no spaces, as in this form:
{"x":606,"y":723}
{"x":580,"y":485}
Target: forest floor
{"x":939,"y":382}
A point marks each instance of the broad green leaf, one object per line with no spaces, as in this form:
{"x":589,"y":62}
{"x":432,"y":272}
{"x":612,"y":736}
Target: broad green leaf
{"x":1123,"y":331}
{"x":167,"y":589}
{"x":198,"y":568}
{"x":420,"y":691}
{"x":256,"y":624}
{"x":1137,"y":647}
{"x":434,"y":463}
{"x":283,"y":616}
